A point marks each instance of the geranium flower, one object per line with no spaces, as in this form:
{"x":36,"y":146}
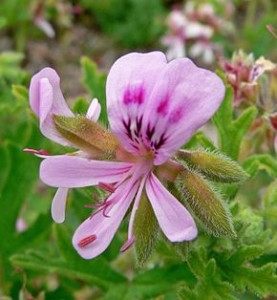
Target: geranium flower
{"x":154,"y":107}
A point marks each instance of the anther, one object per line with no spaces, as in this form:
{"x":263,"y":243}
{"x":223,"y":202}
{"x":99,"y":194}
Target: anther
{"x":87,"y":240}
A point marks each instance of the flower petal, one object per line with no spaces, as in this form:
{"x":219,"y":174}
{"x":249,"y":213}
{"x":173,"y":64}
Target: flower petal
{"x":174,"y":220}
{"x":58,"y":205}
{"x":94,"y":110}
{"x":129,"y":84}
{"x":73,"y":171}
{"x":104,"y":228}
{"x":157,"y":106}
{"x":184,"y":98}
{"x":46,"y":99}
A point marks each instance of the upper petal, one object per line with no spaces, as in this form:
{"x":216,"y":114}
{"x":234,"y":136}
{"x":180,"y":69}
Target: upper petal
{"x":46,"y":99}
{"x":174,"y":220}
{"x":184,"y":98}
{"x":158,"y":106}
{"x":129,"y":84}
{"x":73,"y":171}
{"x":104,"y":228}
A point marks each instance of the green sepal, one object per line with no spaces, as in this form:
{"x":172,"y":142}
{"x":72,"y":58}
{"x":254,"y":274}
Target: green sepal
{"x":214,"y":165}
{"x":205,"y":203}
{"x":183,"y":249}
{"x":145,"y":230}
{"x":87,"y":135}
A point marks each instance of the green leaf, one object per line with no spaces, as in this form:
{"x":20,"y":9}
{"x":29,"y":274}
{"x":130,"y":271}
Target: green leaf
{"x":5,"y":163}
{"x":214,"y":165}
{"x":232,"y":130}
{"x":209,"y":281}
{"x":270,"y":201}
{"x":80,"y":106}
{"x":68,"y":263}
{"x":205,"y":203}
{"x":152,"y":283}
{"x":239,"y":270}
{"x":95,"y":82}
{"x":21,"y":175}
{"x":21,"y":93}
{"x":258,"y":162}
{"x":145,"y":230}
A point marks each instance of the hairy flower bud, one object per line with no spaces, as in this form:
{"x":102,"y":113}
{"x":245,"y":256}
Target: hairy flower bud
{"x":145,"y":230}
{"x":206,"y":203}
{"x":87,"y":135}
{"x":213,"y":165}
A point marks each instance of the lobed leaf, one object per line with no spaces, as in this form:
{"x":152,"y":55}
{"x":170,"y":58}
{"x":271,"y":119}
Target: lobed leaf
{"x":210,"y":284}
{"x":260,"y":280}
{"x":258,"y":162}
{"x":232,"y":130}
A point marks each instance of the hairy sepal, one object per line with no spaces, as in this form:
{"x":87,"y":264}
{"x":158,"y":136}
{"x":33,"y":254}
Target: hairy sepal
{"x":214,"y":165}
{"x":206,"y":204}
{"x":87,"y":135}
{"x":145,"y":230}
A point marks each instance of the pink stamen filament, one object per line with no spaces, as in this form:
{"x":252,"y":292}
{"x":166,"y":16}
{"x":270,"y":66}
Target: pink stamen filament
{"x":107,"y":187}
{"x":38,"y":152}
{"x":128,"y":244}
{"x":87,"y":241}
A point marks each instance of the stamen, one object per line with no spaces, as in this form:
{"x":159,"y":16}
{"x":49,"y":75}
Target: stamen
{"x":87,"y":240}
{"x":107,"y":187}
{"x":36,"y":152}
{"x":128,"y":244}
{"x":105,"y":208}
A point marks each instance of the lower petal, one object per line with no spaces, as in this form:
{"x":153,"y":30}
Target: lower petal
{"x":58,"y":205}
{"x":74,"y":171}
{"x":95,"y":234}
{"x":174,"y":220}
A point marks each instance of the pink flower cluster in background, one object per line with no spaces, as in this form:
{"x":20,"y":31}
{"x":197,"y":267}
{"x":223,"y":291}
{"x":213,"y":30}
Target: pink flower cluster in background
{"x":192,"y":28}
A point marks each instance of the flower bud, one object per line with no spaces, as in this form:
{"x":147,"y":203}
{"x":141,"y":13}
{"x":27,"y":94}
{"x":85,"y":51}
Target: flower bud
{"x":215,"y":166}
{"x":205,"y":203}
{"x":87,"y":135}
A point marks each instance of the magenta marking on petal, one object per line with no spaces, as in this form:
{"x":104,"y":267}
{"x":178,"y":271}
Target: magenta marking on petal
{"x":176,"y":115}
{"x":134,"y":95}
{"x":128,"y":244}
{"x":162,"y":109}
{"x":87,"y":241}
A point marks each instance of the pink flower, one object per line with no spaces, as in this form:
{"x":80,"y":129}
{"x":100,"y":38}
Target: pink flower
{"x":154,"y":107}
